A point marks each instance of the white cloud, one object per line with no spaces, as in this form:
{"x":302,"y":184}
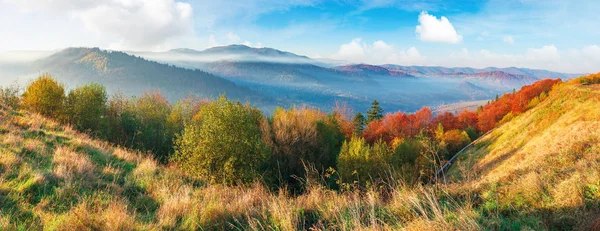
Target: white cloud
{"x":354,"y":50}
{"x":547,"y":53}
{"x":430,"y":29}
{"x":124,"y":24}
{"x":379,"y":52}
{"x":509,"y":40}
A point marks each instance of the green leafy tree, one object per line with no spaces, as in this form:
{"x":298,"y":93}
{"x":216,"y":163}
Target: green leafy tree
{"x":85,"y":108}
{"x":225,"y":143}
{"x":472,"y":133}
{"x":45,"y":96}
{"x":375,"y":113}
{"x":152,"y":111}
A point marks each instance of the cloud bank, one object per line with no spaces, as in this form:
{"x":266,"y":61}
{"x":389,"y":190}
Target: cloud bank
{"x":125,"y":24}
{"x":378,"y":52}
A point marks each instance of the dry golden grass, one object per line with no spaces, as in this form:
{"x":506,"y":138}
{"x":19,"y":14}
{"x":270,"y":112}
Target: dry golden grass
{"x":544,"y":158}
{"x":70,"y":163}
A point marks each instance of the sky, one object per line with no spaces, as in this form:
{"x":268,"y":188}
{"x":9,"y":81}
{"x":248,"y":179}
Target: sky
{"x":547,"y":34}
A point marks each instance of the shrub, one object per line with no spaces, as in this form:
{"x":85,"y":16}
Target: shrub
{"x":122,"y":121}
{"x":151,"y":112}
{"x":9,"y":96}
{"x":225,"y":144}
{"x":182,"y":113}
{"x":142,"y":123}
{"x":361,"y":163}
{"x":45,"y":96}
{"x":85,"y":108}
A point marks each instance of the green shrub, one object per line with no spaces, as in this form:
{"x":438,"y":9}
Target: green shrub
{"x":143,"y":124}
{"x":122,"y":120}
{"x":225,"y":144}
{"x":151,"y":113}
{"x":362,"y":164}
{"x":85,"y":108}
{"x":45,"y":96}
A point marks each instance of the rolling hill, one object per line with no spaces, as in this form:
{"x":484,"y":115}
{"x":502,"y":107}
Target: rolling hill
{"x":133,"y":75}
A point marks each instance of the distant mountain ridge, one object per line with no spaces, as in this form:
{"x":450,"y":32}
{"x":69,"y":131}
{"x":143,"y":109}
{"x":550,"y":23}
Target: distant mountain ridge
{"x":367,"y":69}
{"x":232,"y":53}
{"x":272,"y":77}
{"x":438,"y":70}
{"x":134,"y":75}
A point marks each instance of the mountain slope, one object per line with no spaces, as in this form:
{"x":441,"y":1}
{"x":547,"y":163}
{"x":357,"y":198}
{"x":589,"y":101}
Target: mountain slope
{"x":134,"y":75}
{"x":543,"y":166}
{"x":373,"y":70}
{"x":495,"y":78}
{"x":437,"y":70}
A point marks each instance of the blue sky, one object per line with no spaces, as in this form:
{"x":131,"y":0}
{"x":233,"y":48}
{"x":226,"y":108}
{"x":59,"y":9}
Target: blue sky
{"x":555,"y":35}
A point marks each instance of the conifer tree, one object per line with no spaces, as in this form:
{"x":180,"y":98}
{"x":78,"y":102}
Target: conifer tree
{"x":359,"y":123}
{"x":375,"y":113}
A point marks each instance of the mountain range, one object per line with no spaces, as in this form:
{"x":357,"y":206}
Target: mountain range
{"x":269,"y":77}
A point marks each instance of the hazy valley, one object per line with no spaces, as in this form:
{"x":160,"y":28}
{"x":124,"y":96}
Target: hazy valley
{"x":269,"y":78}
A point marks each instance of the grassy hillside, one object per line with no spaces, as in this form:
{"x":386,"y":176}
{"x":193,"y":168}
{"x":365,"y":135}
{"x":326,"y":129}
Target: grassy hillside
{"x":541,"y":169}
{"x":538,"y":171}
{"x":53,"y":178}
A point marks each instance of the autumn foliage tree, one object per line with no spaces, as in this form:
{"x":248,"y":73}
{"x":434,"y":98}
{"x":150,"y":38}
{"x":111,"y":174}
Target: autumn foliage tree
{"x":455,"y":140}
{"x":398,"y":125}
{"x":514,"y":103}
{"x":45,"y":96}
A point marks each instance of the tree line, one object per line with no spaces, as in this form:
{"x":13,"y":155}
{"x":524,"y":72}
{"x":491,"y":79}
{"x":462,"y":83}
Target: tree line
{"x":224,"y":141}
